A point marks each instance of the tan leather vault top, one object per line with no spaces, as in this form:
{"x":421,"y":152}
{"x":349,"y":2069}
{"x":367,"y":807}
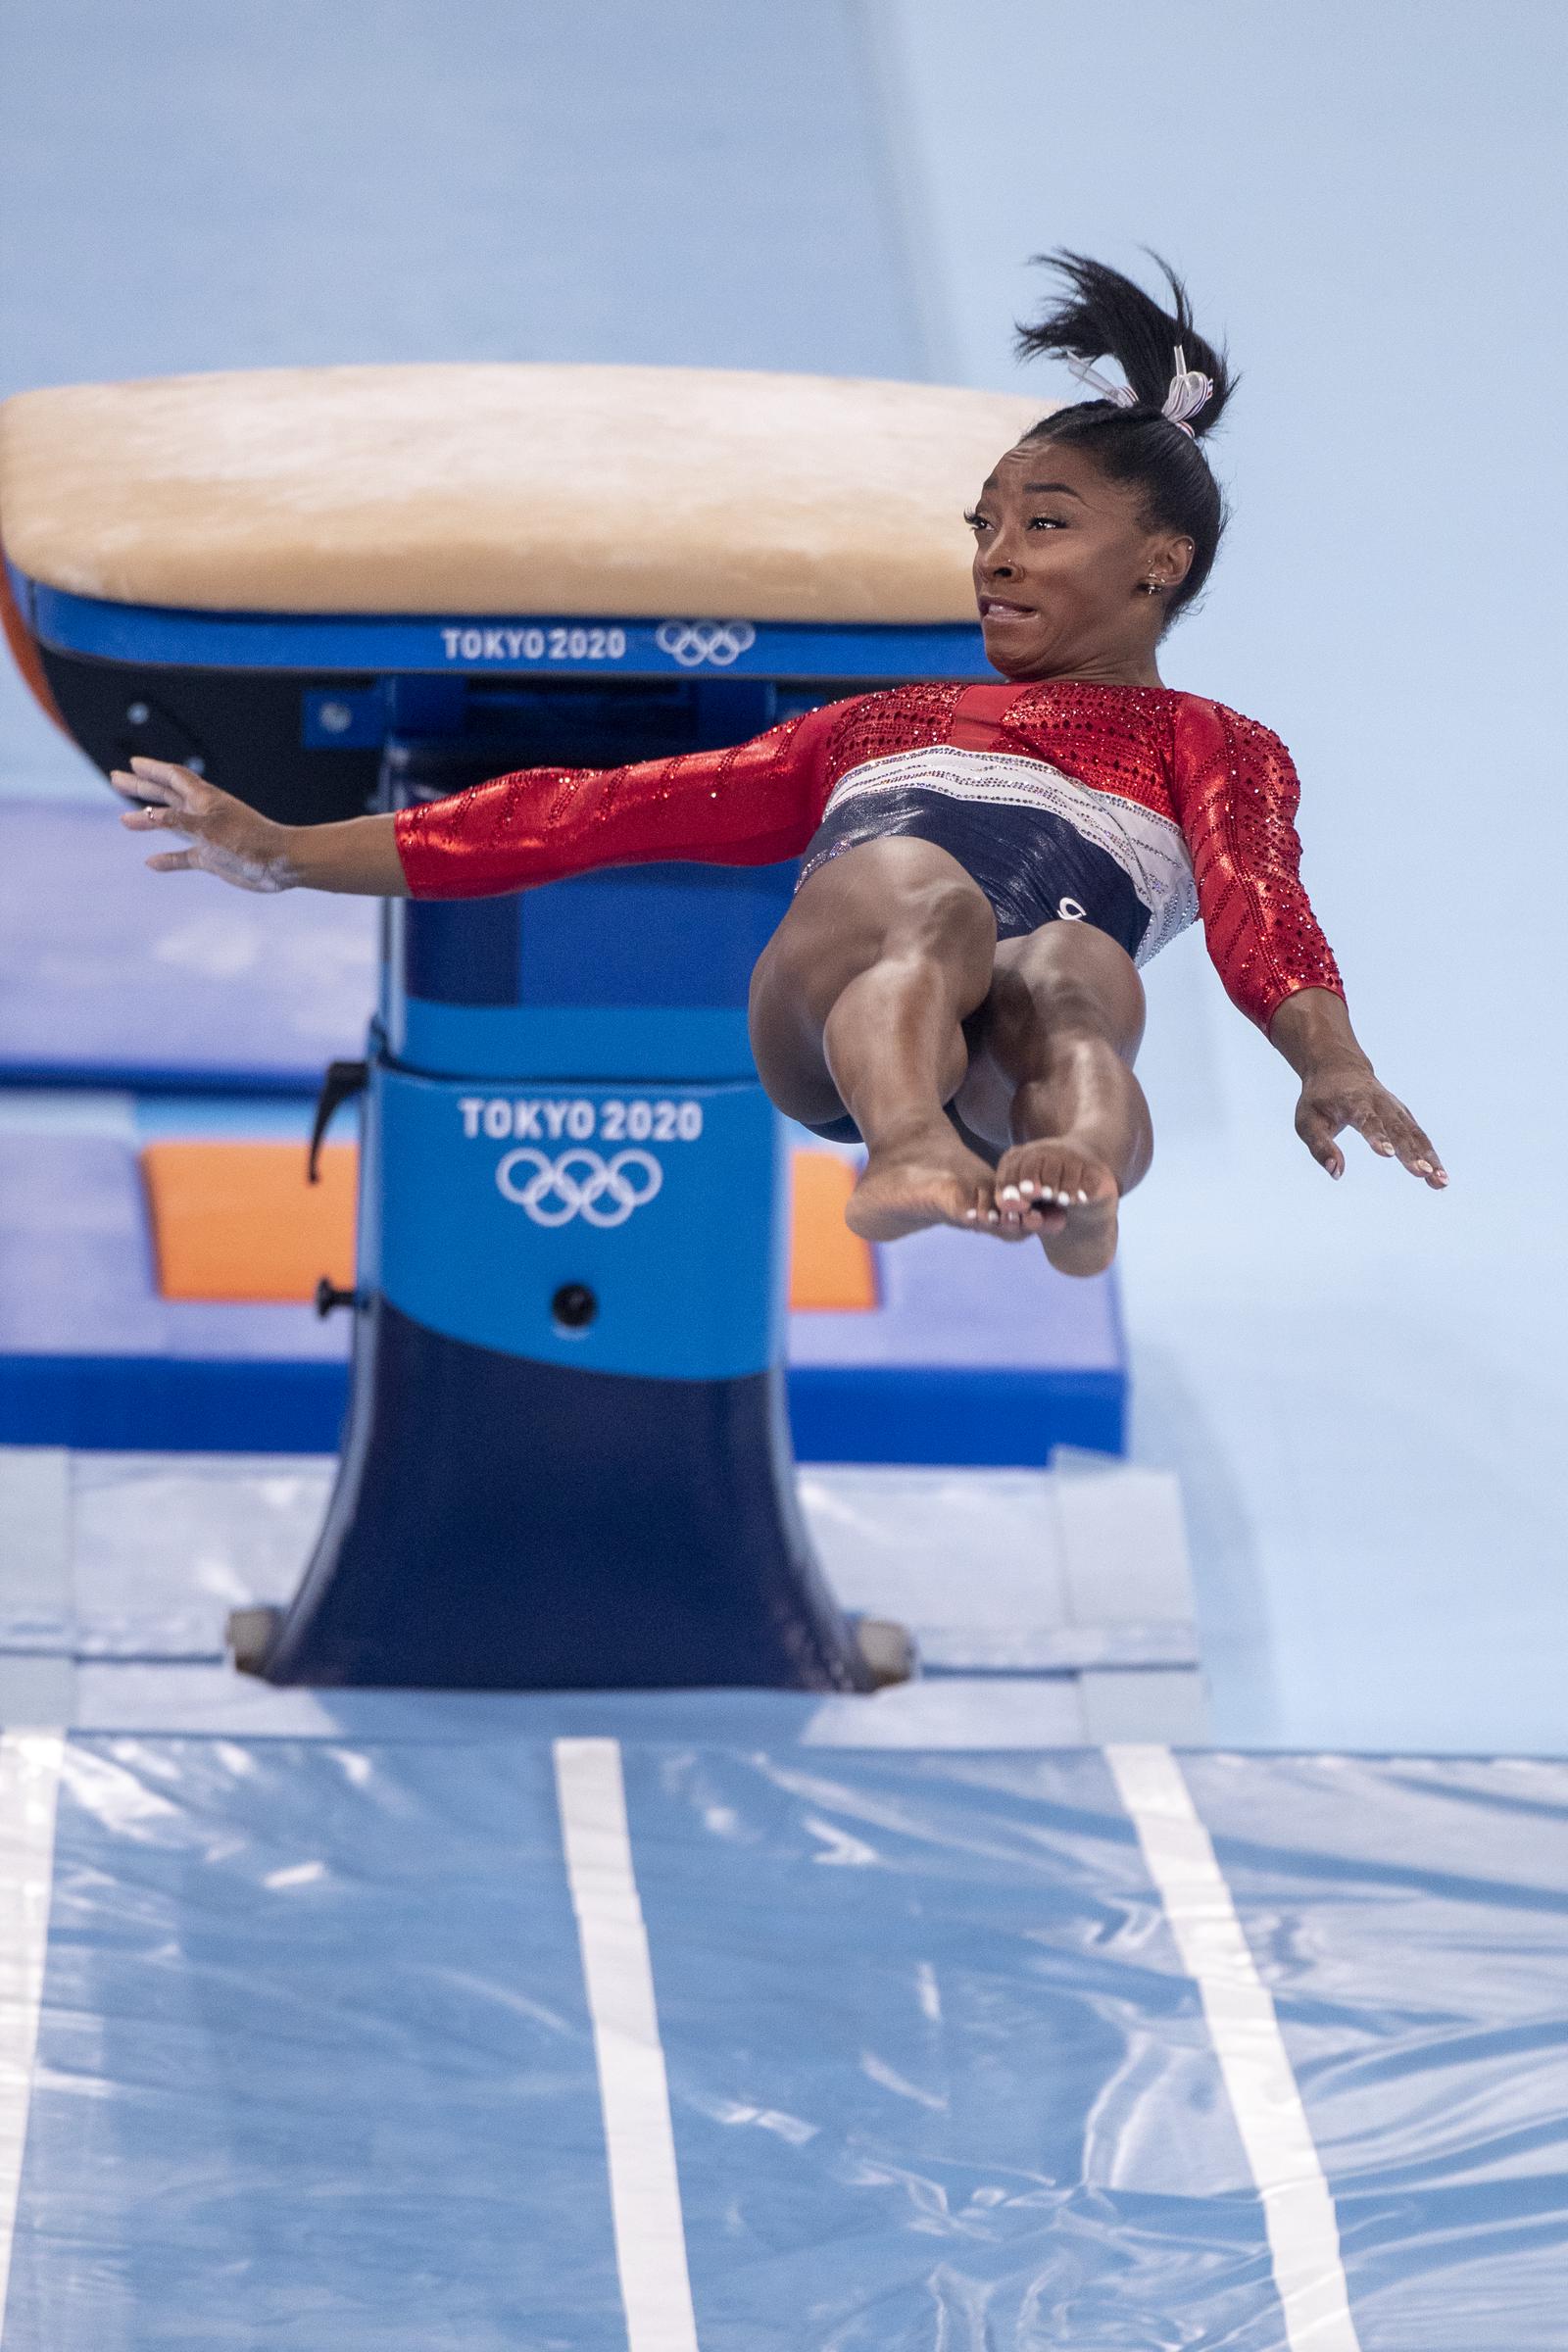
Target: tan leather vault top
{"x":510,"y":489}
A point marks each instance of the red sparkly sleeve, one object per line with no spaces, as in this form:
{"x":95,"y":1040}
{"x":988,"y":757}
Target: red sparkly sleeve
{"x":1236,"y":794}
{"x":747,"y":804}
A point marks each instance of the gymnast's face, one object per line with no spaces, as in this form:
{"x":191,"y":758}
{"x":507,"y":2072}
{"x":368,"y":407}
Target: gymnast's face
{"x":1061,"y":552}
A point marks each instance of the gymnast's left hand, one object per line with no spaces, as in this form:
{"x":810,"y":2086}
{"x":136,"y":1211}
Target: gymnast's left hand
{"x":1340,"y":1095}
{"x":226,"y":838}
{"x":1339,"y":1089}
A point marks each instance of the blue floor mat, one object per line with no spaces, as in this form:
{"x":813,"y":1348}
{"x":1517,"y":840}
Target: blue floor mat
{"x":317,"y":2058}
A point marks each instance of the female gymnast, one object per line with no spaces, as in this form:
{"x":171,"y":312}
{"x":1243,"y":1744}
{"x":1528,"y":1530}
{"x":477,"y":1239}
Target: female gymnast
{"x":985,"y":868}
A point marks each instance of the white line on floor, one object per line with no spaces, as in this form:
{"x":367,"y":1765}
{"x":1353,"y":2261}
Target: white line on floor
{"x":633,"y":2090}
{"x":29,"y":1785}
{"x":1298,"y":2210}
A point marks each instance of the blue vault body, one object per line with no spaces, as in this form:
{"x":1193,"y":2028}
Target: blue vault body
{"x":567,"y":1415}
{"x":566,"y":1418}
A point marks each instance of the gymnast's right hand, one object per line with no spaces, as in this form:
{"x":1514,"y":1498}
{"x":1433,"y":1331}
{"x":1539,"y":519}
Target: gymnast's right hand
{"x":226,"y":838}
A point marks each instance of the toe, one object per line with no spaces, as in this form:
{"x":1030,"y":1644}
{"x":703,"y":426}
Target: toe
{"x":1045,"y":1182}
{"x":1013,"y":1205}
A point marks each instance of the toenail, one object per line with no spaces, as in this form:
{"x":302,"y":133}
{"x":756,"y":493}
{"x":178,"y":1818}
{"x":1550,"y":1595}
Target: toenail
{"x":1083,"y":1196}
{"x":1026,"y":1187}
{"x":1009,"y":1191}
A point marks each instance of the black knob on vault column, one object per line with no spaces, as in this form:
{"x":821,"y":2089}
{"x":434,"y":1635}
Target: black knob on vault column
{"x":573,"y":1306}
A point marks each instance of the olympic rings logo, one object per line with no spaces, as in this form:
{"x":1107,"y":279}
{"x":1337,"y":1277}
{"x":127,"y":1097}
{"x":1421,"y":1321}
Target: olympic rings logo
{"x":693,"y":641}
{"x":579,"y":1184}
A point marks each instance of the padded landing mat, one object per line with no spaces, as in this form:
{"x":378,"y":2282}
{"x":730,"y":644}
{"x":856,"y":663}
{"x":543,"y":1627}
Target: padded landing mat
{"x":113,"y":976}
{"x":496,"y":2044}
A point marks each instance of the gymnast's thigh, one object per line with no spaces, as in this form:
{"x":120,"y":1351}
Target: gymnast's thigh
{"x":893,"y":895}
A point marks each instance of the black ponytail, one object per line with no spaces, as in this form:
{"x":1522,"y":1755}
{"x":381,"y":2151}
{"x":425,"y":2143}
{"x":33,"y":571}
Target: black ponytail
{"x":1108,"y":316}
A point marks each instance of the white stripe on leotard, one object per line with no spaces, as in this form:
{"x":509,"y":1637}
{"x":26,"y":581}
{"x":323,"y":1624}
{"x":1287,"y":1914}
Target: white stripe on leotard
{"x":1149,"y":847}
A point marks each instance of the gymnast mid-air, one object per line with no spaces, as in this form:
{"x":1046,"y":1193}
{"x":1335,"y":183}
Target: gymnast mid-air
{"x":983,"y":867}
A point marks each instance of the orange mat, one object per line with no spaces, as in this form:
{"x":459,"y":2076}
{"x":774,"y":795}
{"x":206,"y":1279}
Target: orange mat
{"x":829,"y":1266}
{"x":237,"y":1221}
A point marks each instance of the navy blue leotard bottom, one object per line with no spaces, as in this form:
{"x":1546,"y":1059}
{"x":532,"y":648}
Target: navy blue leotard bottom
{"x":1034,"y":868}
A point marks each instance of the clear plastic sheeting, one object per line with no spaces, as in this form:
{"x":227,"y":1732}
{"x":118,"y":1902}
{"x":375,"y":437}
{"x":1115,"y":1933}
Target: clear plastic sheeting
{"x":313,"y":2067}
{"x":317,"y":2061}
{"x":1412,"y":1921}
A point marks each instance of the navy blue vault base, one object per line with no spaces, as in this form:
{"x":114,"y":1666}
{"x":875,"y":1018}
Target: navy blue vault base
{"x":326,"y":2054}
{"x":607,"y":1514}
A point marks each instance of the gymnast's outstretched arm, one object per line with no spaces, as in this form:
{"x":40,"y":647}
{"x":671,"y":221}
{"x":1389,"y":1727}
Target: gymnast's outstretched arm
{"x":747,"y":804}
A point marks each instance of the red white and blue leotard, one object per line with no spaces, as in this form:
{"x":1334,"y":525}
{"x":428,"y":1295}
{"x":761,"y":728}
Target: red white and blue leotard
{"x":1133,"y":807}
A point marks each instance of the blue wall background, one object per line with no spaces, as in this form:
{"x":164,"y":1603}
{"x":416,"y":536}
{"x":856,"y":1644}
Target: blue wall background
{"x":1363,"y":1387}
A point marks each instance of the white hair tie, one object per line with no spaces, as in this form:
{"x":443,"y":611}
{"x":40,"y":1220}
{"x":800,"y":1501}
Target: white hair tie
{"x":1189,"y":389}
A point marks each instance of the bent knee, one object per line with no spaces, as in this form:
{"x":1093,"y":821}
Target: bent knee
{"x":945,"y":915}
{"x":1077,"y":978}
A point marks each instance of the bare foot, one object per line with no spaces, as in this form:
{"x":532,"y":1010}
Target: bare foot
{"x":927,"y":1179}
{"x":1064,"y":1194}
